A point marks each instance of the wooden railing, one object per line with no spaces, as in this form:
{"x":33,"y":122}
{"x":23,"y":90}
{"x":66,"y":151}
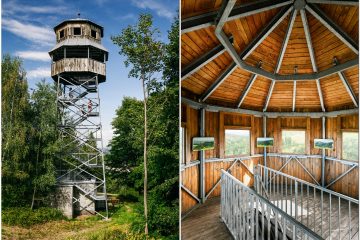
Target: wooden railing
{"x":78,"y":65}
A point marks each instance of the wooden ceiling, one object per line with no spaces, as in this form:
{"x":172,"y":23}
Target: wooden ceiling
{"x":325,"y":44}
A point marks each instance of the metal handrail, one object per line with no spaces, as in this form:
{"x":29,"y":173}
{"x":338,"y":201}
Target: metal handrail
{"x":248,"y":215}
{"x":312,"y":185}
{"x":298,"y":198}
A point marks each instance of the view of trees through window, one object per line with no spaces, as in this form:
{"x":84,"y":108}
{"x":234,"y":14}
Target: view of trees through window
{"x":350,"y":146}
{"x":237,"y":142}
{"x":293,"y":141}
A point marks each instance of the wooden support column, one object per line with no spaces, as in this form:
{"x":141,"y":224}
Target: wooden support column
{"x":307,"y":136}
{"x":323,"y":154}
{"x":221,"y":135}
{"x":188,"y":135}
{"x":264,"y":134}
{"x":202,"y":157}
{"x":252,"y":136}
{"x":338,"y":137}
{"x":278,"y":135}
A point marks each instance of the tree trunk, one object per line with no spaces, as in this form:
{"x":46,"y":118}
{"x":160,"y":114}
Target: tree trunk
{"x":145,"y":158}
{"x":36,"y":172}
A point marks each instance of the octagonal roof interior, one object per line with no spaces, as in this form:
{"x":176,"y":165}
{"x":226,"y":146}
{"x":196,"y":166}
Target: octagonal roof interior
{"x":239,"y":87}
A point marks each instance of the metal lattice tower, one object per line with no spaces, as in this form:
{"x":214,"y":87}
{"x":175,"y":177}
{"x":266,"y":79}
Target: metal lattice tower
{"x":78,"y":67}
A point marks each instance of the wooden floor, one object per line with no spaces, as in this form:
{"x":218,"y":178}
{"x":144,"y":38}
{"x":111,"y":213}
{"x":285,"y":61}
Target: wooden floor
{"x":204,"y":223}
{"x":309,"y":213}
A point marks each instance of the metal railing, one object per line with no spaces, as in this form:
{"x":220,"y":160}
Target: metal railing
{"x":330,"y":214}
{"x":248,"y":215}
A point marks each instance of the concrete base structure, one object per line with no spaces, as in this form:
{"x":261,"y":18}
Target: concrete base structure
{"x":63,"y":200}
{"x":66,"y":200}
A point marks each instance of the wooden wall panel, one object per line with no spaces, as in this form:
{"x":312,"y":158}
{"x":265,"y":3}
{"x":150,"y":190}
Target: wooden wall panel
{"x":216,"y":123}
{"x":190,"y":179}
{"x":212,"y":130}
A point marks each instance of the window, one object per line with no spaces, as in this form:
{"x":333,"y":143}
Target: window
{"x":293,"y":141}
{"x":93,"y":33}
{"x":77,"y":31}
{"x":237,"y":142}
{"x":350,"y":146}
{"x":61,"y":35}
{"x":182,"y":145}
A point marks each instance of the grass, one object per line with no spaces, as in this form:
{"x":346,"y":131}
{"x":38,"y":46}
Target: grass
{"x":125,"y":222}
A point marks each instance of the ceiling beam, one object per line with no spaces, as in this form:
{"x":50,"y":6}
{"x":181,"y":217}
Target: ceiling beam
{"x":320,"y":95}
{"x":271,"y":88}
{"x":347,"y":85}
{"x":337,"y":2}
{"x":220,"y":79}
{"x":333,"y":27}
{"x":212,"y":108}
{"x":286,"y":40}
{"x":265,"y":31}
{"x":208,"y":19}
{"x":308,"y":39}
{"x":248,"y":87}
{"x":198,"y":63}
{"x":224,"y":40}
{"x":294,"y":97}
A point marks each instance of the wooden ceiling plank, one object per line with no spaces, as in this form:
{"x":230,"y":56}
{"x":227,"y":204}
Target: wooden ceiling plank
{"x":203,"y":60}
{"x":286,"y":40}
{"x":208,"y":19}
{"x":265,"y":32}
{"x":308,"y":39}
{"x":333,"y":27}
{"x":226,"y":73}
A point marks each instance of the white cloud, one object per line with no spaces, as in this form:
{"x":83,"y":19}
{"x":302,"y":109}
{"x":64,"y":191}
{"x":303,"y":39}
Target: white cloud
{"x":33,"y":55}
{"x":36,"y":34}
{"x":39,"y":73}
{"x":129,"y":16}
{"x":12,"y":7}
{"x":160,"y":8}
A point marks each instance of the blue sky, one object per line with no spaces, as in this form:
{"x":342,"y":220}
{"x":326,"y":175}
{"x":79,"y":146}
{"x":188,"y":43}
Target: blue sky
{"x":27,"y":32}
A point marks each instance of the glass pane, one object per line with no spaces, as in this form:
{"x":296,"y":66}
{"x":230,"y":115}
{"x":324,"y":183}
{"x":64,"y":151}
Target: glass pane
{"x":350,"y":146}
{"x":293,"y":141}
{"x":237,"y":142}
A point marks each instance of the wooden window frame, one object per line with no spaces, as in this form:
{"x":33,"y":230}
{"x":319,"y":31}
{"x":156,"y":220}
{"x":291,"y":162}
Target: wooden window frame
{"x":62,"y":31}
{"x":293,"y":129}
{"x":77,"y":34}
{"x":342,"y":143}
{"x":91,"y":33}
{"x":231,"y":127}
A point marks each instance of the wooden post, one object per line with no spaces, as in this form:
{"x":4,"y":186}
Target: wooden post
{"x":252,"y":137}
{"x":202,"y":157}
{"x":188,"y":135}
{"x":323,"y":153}
{"x":307,"y":136}
{"x":221,"y":135}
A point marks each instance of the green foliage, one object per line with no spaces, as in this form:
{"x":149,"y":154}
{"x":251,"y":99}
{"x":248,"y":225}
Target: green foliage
{"x":237,"y":144}
{"x":26,"y":217}
{"x":126,"y":148}
{"x":293,"y":142}
{"x":350,"y":146}
{"x":15,"y":108}
{"x":29,"y":136}
{"x":138,"y":44}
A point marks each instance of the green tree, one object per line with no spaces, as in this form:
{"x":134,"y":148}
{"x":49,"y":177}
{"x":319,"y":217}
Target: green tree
{"x":15,"y":107}
{"x":144,"y":53}
{"x":44,"y":138}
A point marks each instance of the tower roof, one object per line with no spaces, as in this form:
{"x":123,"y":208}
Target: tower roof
{"x":79,"y":20}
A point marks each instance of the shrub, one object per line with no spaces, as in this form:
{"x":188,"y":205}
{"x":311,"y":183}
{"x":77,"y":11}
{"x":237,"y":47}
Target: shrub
{"x":26,"y":217}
